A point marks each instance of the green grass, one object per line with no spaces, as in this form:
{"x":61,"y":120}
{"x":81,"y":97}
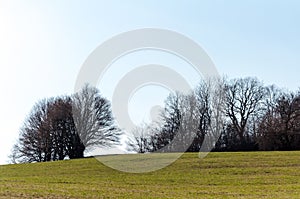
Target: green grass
{"x":219,"y":175}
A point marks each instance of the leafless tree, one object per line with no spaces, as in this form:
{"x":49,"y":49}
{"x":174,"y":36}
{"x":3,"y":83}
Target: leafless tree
{"x":170,"y":123}
{"x":61,"y":127}
{"x":140,"y":139}
{"x":243,"y":100}
{"x":190,"y":119}
{"x":93,"y":119}
{"x":279,"y":128}
{"x":34,"y":144}
{"x":65,"y":126}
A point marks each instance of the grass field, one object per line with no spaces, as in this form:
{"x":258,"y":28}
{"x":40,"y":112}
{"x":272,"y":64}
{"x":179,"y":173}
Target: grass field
{"x":219,"y":175}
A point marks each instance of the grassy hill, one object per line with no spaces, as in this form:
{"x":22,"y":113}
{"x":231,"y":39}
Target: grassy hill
{"x":219,"y":175}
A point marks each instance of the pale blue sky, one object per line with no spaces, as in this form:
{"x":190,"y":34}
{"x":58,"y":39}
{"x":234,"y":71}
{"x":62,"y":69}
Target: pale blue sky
{"x":43,"y":44}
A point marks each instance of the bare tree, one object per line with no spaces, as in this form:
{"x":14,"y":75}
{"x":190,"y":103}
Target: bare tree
{"x":46,"y":133}
{"x":61,"y":127}
{"x":140,"y":139}
{"x":243,"y":100}
{"x":64,"y":126}
{"x":15,"y":155}
{"x":279,"y":128}
{"x":93,"y":120}
{"x":170,"y":134}
{"x":210,"y":100}
{"x":170,"y":125}
{"x":202,"y":95}
{"x":216,"y":117}
{"x":188,"y":120}
{"x":34,"y":143}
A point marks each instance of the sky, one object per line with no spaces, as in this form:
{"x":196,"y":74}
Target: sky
{"x":43,"y":45}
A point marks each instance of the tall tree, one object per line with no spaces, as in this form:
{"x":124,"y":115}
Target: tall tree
{"x":243,"y":100}
{"x":93,"y":120}
{"x":170,"y":123}
{"x":61,"y":127}
{"x":34,"y":144}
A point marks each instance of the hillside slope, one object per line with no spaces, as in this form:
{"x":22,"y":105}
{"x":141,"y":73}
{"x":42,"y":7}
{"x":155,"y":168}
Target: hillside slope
{"x":219,"y":175}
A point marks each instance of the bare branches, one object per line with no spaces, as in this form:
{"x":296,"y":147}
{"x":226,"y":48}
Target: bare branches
{"x":243,"y":99}
{"x":242,"y":112}
{"x":279,"y":128}
{"x":93,"y":119}
{"x":64,"y":126}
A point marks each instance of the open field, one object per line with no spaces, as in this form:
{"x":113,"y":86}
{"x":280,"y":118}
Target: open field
{"x":219,"y":175}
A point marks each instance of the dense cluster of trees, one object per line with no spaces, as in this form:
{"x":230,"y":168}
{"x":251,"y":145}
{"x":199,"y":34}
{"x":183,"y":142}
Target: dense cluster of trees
{"x":219,"y":114}
{"x":64,"y":127}
{"x":279,"y":128}
{"x":233,"y":115}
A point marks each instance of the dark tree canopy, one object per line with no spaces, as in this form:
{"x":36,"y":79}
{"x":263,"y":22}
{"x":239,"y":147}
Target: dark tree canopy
{"x":66,"y":126}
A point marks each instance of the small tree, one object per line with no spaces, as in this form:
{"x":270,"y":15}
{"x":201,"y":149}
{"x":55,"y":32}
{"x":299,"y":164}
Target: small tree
{"x":140,"y":139}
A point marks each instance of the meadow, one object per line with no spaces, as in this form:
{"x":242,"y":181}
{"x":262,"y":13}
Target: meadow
{"x":218,"y":175}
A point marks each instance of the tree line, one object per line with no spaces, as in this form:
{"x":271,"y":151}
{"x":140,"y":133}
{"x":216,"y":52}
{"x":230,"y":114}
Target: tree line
{"x":233,"y":115}
{"x":223,"y":115}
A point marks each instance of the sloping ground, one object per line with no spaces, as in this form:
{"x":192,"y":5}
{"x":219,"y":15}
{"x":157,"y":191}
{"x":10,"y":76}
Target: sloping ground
{"x":219,"y":175}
